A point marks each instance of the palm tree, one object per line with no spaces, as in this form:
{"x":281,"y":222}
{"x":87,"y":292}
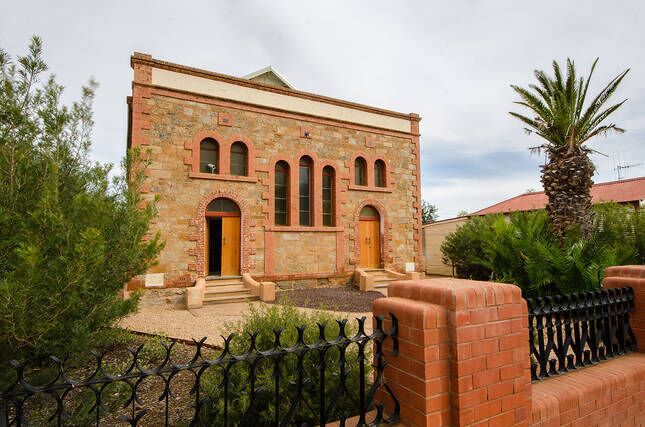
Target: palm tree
{"x":566,"y":124}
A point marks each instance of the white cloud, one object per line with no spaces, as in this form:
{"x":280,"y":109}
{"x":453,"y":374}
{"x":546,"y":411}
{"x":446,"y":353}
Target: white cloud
{"x":451,"y":62}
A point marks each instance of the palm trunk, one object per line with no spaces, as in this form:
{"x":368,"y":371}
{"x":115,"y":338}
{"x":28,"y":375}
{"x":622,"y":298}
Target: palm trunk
{"x":567,"y":179}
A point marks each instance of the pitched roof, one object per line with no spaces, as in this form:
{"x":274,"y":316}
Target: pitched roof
{"x":627,"y":190}
{"x":269,"y":75}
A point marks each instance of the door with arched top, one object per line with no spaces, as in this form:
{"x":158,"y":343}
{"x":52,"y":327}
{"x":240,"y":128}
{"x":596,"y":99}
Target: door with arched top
{"x":223,"y":238}
{"x":369,"y":234}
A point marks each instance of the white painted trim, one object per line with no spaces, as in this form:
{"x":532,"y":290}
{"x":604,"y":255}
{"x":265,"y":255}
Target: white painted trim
{"x":219,"y":89}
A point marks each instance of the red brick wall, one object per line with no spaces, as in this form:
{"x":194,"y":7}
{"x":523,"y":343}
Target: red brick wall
{"x":464,"y":360}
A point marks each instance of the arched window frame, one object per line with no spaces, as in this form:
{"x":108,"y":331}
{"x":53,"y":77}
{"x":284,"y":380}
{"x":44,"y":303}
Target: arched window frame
{"x":224,"y":166}
{"x":209,"y":166}
{"x":285,"y":200}
{"x":244,"y":159}
{"x":328,"y":183}
{"x":380,"y":179}
{"x":305,"y":191}
{"x":360,"y":171}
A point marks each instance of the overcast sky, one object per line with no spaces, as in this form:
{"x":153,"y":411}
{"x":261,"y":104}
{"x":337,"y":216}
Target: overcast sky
{"x":450,"y":61}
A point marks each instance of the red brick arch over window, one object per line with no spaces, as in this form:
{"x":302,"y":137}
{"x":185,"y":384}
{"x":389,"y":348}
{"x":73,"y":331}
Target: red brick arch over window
{"x":224,"y":153}
{"x":386,"y":232}
{"x":199,"y":221}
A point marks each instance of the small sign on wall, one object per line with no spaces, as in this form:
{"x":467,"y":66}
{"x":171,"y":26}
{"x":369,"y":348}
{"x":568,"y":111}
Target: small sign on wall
{"x":154,"y":280}
{"x":409,"y":267}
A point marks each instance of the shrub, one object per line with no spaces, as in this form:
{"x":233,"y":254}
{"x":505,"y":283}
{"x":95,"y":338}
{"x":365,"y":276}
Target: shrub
{"x":263,"y":322}
{"x":521,"y":249}
{"x":70,"y":236}
{"x":461,"y":249}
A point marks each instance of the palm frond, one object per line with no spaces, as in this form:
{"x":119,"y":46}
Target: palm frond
{"x":583,"y":93}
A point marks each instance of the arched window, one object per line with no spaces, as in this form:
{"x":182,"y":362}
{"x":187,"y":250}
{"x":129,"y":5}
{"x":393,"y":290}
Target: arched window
{"x":328,"y":196}
{"x":281,"y":193}
{"x":304,"y":185}
{"x":239,"y":159}
{"x":360,"y":171}
{"x":222,"y":205}
{"x":368,"y":212}
{"x":379,"y":173}
{"x":209,"y":156}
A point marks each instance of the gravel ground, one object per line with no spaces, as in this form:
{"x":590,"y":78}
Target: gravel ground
{"x":345,"y":299}
{"x":174,"y":321}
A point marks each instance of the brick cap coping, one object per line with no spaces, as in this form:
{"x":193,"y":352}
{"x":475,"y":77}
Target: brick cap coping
{"x":456,"y":294}
{"x":637,"y":271}
{"x":616,"y":384}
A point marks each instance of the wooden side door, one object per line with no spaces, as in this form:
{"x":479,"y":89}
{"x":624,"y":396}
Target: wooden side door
{"x":363,"y":238}
{"x":375,"y":244}
{"x":230,"y":246}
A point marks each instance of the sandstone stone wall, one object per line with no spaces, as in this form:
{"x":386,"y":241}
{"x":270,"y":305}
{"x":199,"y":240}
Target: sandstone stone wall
{"x":172,"y":125}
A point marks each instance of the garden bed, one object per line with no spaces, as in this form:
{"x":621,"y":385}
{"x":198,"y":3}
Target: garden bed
{"x":342,"y":299}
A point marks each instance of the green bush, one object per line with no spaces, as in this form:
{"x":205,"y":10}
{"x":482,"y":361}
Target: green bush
{"x":287,"y":318}
{"x":70,"y":236}
{"x":461,"y":248}
{"x":520,"y":249}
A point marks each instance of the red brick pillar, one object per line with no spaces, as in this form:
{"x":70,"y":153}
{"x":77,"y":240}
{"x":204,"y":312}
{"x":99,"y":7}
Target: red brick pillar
{"x":634,"y":276}
{"x":463,"y":353}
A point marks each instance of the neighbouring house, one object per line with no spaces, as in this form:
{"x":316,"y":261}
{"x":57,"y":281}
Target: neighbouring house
{"x":630,"y":192}
{"x":257,"y":179}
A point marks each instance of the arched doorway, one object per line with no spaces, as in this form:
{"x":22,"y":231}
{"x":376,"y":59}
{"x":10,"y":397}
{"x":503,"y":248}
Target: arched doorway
{"x":222,"y":238}
{"x":369,"y":234}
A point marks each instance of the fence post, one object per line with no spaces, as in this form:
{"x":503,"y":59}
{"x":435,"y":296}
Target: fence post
{"x":463,"y":352}
{"x":633,"y":276}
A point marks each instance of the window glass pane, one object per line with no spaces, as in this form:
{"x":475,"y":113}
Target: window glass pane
{"x":281,"y":191}
{"x":379,"y":173}
{"x":208,"y":156}
{"x":328,"y":196}
{"x":360,"y":172}
{"x":238,"y":159}
{"x":222,"y":205}
{"x":369,"y":212}
{"x":305,"y":191}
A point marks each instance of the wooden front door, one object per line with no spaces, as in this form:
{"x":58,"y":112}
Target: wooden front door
{"x":230,"y":246}
{"x":370,"y":243}
{"x":222,"y":238}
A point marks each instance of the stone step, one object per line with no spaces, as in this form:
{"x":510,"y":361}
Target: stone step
{"x":381,"y":285}
{"x":221,"y":282}
{"x":382,"y":279}
{"x":226,"y":290}
{"x":229,"y":299}
{"x":373,"y":270}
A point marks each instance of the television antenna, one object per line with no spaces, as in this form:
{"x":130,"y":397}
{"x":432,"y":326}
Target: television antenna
{"x":623,"y":167}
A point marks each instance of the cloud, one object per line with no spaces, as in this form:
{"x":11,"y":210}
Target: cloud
{"x":451,"y":62}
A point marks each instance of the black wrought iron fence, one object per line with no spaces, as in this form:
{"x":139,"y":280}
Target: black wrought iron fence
{"x":309,"y":382}
{"x":570,"y":331}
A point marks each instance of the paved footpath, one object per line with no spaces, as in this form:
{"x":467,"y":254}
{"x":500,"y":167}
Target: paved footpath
{"x":174,"y":321}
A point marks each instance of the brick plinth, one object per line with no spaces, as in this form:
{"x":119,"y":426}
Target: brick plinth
{"x":634,"y":276}
{"x":463,"y":356}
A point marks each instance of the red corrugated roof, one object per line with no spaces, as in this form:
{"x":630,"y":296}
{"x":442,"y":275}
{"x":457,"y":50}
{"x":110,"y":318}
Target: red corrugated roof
{"x":627,"y":190}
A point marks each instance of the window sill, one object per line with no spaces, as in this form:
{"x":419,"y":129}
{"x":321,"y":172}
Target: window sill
{"x":218,"y":177}
{"x":353,"y":187}
{"x":300,"y":228}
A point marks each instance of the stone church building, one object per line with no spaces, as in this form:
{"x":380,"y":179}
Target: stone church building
{"x":259,"y":179}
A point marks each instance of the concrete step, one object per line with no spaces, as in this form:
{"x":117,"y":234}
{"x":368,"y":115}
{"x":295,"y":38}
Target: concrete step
{"x":229,"y":299}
